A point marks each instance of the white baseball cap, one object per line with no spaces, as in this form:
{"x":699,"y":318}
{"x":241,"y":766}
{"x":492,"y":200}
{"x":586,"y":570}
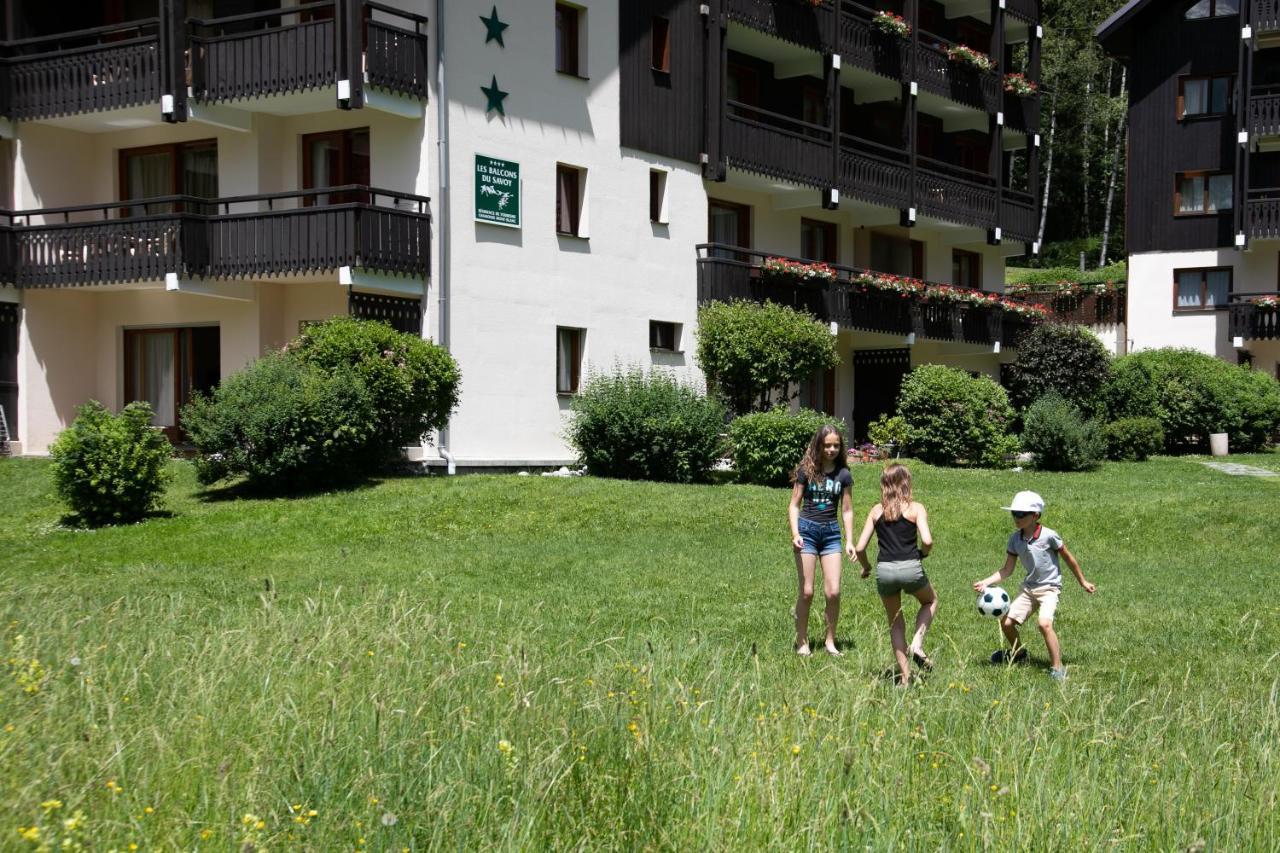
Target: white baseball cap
{"x":1026,"y":502}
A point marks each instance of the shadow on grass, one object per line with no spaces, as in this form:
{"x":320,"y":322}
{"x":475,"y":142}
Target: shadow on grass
{"x":73,"y":521}
{"x":244,"y":490}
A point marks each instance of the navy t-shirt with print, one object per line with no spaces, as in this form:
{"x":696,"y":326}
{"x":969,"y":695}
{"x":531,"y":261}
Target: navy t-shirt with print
{"x":822,"y":497}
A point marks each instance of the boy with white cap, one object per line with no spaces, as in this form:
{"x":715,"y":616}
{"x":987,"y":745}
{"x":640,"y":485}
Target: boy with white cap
{"x":1038,"y":548}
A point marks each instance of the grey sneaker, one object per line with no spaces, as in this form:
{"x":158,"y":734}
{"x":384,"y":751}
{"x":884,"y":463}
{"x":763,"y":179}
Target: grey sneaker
{"x":1059,"y":674}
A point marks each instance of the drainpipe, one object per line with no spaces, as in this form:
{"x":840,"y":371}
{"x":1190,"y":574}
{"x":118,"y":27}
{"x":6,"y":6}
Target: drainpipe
{"x":442,"y":157}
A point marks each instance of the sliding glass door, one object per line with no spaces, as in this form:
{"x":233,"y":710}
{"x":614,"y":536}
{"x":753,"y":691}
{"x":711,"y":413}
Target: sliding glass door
{"x":167,"y":367}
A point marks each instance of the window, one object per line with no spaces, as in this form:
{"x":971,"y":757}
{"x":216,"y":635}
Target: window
{"x":1213,"y":9}
{"x":966,"y":269}
{"x":658,"y":196}
{"x":166,"y":367}
{"x":568,"y":359}
{"x":1204,"y":96}
{"x":818,"y":241}
{"x":333,"y":159}
{"x":568,"y":42}
{"x":1203,"y":289}
{"x":1201,"y":193}
{"x":897,"y":255}
{"x":728,"y":224}
{"x":570,"y":182}
{"x":186,"y":168}
{"x":664,"y":336}
{"x":818,"y":392}
{"x":661,"y":44}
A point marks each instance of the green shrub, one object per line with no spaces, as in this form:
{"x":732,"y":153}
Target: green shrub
{"x":412,"y":383}
{"x":1067,"y":360}
{"x":886,"y":430}
{"x":1053,"y":274}
{"x":1066,"y":253}
{"x":1133,"y":439}
{"x":954,"y":417}
{"x":645,"y":426}
{"x":285,"y":425}
{"x":767,"y":446}
{"x":110,"y":469}
{"x":1059,"y":437}
{"x":1193,"y":395}
{"x":753,"y":353}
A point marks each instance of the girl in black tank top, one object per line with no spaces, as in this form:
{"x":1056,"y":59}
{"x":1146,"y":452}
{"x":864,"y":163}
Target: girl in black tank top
{"x":901,"y":527}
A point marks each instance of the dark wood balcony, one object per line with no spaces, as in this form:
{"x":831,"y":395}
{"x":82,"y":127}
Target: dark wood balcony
{"x":1262,"y":214}
{"x":1027,"y":10}
{"x":956,"y":194}
{"x":796,"y":21}
{"x":778,"y":146}
{"x":235,"y":237}
{"x":1019,"y":217}
{"x":1264,"y":111}
{"x":1083,"y":309}
{"x":295,"y":48}
{"x":942,"y":76}
{"x":1266,"y":16}
{"x":732,"y":272}
{"x":83,"y":71}
{"x":1251,"y":321}
{"x":863,"y":45}
{"x":875,"y":173}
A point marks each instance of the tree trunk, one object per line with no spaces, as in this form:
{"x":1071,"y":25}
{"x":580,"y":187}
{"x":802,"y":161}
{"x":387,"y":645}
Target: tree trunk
{"x":1115,"y":171}
{"x":1048,"y":168}
{"x":1084,"y":156}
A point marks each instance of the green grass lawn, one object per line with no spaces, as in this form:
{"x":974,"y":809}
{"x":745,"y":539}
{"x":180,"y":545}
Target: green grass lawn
{"x":522,"y":662}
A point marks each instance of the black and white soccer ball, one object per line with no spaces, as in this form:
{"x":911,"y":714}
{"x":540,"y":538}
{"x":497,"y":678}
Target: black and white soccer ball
{"x":993,"y":601}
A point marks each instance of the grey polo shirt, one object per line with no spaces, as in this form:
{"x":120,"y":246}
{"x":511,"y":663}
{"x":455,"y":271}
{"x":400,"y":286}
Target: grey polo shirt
{"x":1039,"y":556}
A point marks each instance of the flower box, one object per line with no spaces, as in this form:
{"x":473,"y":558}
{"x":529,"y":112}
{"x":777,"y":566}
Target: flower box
{"x":1265,"y":303}
{"x":894,"y":25}
{"x":784,"y":269}
{"x":962,"y":54}
{"x":1017,"y":84}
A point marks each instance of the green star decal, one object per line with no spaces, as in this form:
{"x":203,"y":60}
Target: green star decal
{"x":494,"y":27}
{"x":495,"y":96}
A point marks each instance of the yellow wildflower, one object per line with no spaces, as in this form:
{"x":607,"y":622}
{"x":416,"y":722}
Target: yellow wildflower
{"x":50,"y":805}
{"x":795,"y":749}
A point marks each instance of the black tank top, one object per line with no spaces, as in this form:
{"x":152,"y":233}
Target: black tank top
{"x":897,"y":540}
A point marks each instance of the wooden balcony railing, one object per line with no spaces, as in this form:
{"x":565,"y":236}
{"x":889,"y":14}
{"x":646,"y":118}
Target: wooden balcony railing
{"x":863,"y":45}
{"x":82,"y":71}
{"x":1028,"y":10}
{"x":731,"y":272}
{"x":1084,"y":309}
{"x":940,"y":75}
{"x":295,"y":48}
{"x":779,"y":146}
{"x":1262,"y":214}
{"x":1022,"y":113}
{"x":1019,"y":216}
{"x":1264,"y":111}
{"x":875,"y":173}
{"x":796,"y":21}
{"x":1266,"y":15}
{"x":955,"y":194}
{"x":235,"y":237}
{"x":1250,"y":321}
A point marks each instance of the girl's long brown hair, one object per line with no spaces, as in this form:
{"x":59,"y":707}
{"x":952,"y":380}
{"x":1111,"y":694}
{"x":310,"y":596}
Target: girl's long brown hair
{"x":811,"y":465}
{"x":895,"y":491}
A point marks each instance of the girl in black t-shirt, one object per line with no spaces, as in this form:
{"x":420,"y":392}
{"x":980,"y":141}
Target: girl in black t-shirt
{"x":822,"y":483}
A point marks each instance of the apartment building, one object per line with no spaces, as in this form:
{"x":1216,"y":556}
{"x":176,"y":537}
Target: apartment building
{"x":1203,"y":217}
{"x":547,"y":188}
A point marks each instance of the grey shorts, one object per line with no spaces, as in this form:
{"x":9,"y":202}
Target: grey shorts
{"x":900,"y":576}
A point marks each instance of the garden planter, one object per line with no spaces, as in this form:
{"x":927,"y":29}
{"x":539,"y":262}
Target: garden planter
{"x":1218,"y":444}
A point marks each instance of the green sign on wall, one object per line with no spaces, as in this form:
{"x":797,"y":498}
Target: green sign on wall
{"x":497,"y":191}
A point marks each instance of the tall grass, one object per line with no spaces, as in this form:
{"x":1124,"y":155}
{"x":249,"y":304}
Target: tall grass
{"x":523,"y":662}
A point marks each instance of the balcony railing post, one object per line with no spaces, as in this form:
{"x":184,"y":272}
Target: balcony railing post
{"x":717,"y":59}
{"x":1243,"y":85}
{"x":349,"y":32}
{"x":910,"y":96}
{"x":173,"y":68}
{"x":832,"y":74}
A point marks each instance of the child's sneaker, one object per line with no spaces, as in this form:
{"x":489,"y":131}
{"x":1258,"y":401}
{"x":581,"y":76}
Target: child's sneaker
{"x":1059,"y":674}
{"x":1003,"y":656}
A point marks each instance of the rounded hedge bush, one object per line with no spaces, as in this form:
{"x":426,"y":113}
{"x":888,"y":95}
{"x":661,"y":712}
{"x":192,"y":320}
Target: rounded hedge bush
{"x":767,"y":446}
{"x":953,"y":417}
{"x":1063,"y":359}
{"x":412,"y":383}
{"x":635,"y":425}
{"x":1192,"y":395}
{"x":110,"y":469}
{"x":1059,"y":437}
{"x":1133,"y":439}
{"x":753,"y":353}
{"x":286,"y":426}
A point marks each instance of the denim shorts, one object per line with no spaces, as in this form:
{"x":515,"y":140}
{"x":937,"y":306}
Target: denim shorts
{"x":820,"y":537}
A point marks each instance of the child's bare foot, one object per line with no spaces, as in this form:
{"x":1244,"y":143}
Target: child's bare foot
{"x":802,"y":649}
{"x":833,"y":651}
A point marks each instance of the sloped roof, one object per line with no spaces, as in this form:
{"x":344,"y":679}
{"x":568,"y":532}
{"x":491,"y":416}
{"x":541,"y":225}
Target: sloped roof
{"x":1114,"y":33}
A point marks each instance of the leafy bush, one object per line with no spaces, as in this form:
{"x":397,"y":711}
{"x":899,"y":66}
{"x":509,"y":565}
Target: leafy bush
{"x":1051,"y":275}
{"x":752,"y":353}
{"x":1066,"y":253}
{"x":1067,"y":360}
{"x":767,"y":446}
{"x":412,"y":383}
{"x":1193,"y":395}
{"x":954,"y":417}
{"x":285,"y":425}
{"x":110,"y":469}
{"x":886,"y":430}
{"x":1133,"y":439}
{"x":645,"y":426}
{"x":1059,"y":437}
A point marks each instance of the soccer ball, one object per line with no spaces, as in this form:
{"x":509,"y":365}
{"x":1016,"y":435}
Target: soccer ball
{"x":993,"y":601}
